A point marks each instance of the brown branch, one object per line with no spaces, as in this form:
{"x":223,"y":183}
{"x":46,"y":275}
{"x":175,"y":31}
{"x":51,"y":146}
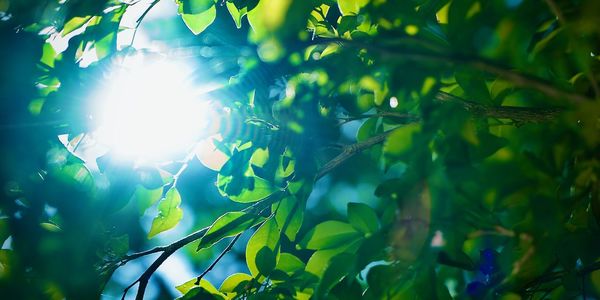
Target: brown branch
{"x":166,"y":252}
{"x":517,"y":114}
{"x":515,"y":77}
{"x":556,"y":11}
{"x":349,"y":151}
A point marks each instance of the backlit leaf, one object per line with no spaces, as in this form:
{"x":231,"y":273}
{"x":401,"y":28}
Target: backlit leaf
{"x":169,"y":213}
{"x":329,"y":234}
{"x":229,"y":224}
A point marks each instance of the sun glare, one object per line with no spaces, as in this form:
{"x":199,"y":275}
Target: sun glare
{"x":150,"y":110}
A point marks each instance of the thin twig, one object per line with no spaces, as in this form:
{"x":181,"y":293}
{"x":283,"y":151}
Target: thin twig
{"x":556,"y":11}
{"x":168,"y":250}
{"x":216,"y":261}
{"x":140,"y":19}
{"x":349,"y":151}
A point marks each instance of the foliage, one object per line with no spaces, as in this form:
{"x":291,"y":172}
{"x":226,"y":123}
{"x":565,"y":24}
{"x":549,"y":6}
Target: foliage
{"x":479,"y":129}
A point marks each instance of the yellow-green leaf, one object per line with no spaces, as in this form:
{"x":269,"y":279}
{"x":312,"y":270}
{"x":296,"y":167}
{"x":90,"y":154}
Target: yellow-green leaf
{"x":169,"y":213}
{"x":197,"y":23}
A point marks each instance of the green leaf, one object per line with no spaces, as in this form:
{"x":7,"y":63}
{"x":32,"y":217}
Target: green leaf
{"x":265,"y":261}
{"x":329,"y":234}
{"x":267,"y":235}
{"x":4,"y":229}
{"x":318,"y":262}
{"x":197,"y":23}
{"x":236,"y":14}
{"x":229,"y":224}
{"x":363,"y":218}
{"x":289,"y":263}
{"x":78,"y":175}
{"x":260,"y":189}
{"x":235,"y":283}
{"x":118,"y":246}
{"x":203,"y":291}
{"x":74,"y":24}
{"x":150,"y":177}
{"x":145,"y":198}
{"x":50,"y":227}
{"x":188,"y":285}
{"x":474,"y":86}
{"x":169,"y":213}
{"x":400,"y":140}
{"x":194,"y":6}
{"x":289,"y":215}
{"x":368,"y":129}
{"x":351,"y":7}
{"x":339,"y":266}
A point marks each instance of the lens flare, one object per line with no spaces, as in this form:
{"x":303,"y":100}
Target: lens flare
{"x":150,"y":110}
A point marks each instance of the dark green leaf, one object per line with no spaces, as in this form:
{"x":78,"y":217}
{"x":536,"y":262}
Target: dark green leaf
{"x":363,"y":218}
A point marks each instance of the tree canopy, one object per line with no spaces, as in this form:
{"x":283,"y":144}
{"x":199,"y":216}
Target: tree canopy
{"x":335,"y":149}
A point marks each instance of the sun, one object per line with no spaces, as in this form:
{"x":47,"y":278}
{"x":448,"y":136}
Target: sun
{"x":150,"y":109}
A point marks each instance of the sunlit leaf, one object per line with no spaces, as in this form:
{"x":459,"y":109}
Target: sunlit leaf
{"x":319,"y":260}
{"x":235,"y":283}
{"x":289,"y":215}
{"x":289,"y":263}
{"x":267,"y":236}
{"x":197,"y":23}
{"x":227,"y":225}
{"x":351,"y":7}
{"x":74,"y":24}
{"x":169,"y":213}
{"x":204,"y":290}
{"x":329,"y":234}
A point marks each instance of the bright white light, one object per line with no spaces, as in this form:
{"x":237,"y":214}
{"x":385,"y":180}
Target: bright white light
{"x":393,"y":102}
{"x":149,"y":110}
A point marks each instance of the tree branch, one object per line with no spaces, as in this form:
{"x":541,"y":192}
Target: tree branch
{"x":515,"y":77}
{"x":517,"y":114}
{"x":556,"y":11}
{"x":216,"y":261}
{"x":168,"y":250}
{"x":349,"y":151}
{"x":140,"y":19}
